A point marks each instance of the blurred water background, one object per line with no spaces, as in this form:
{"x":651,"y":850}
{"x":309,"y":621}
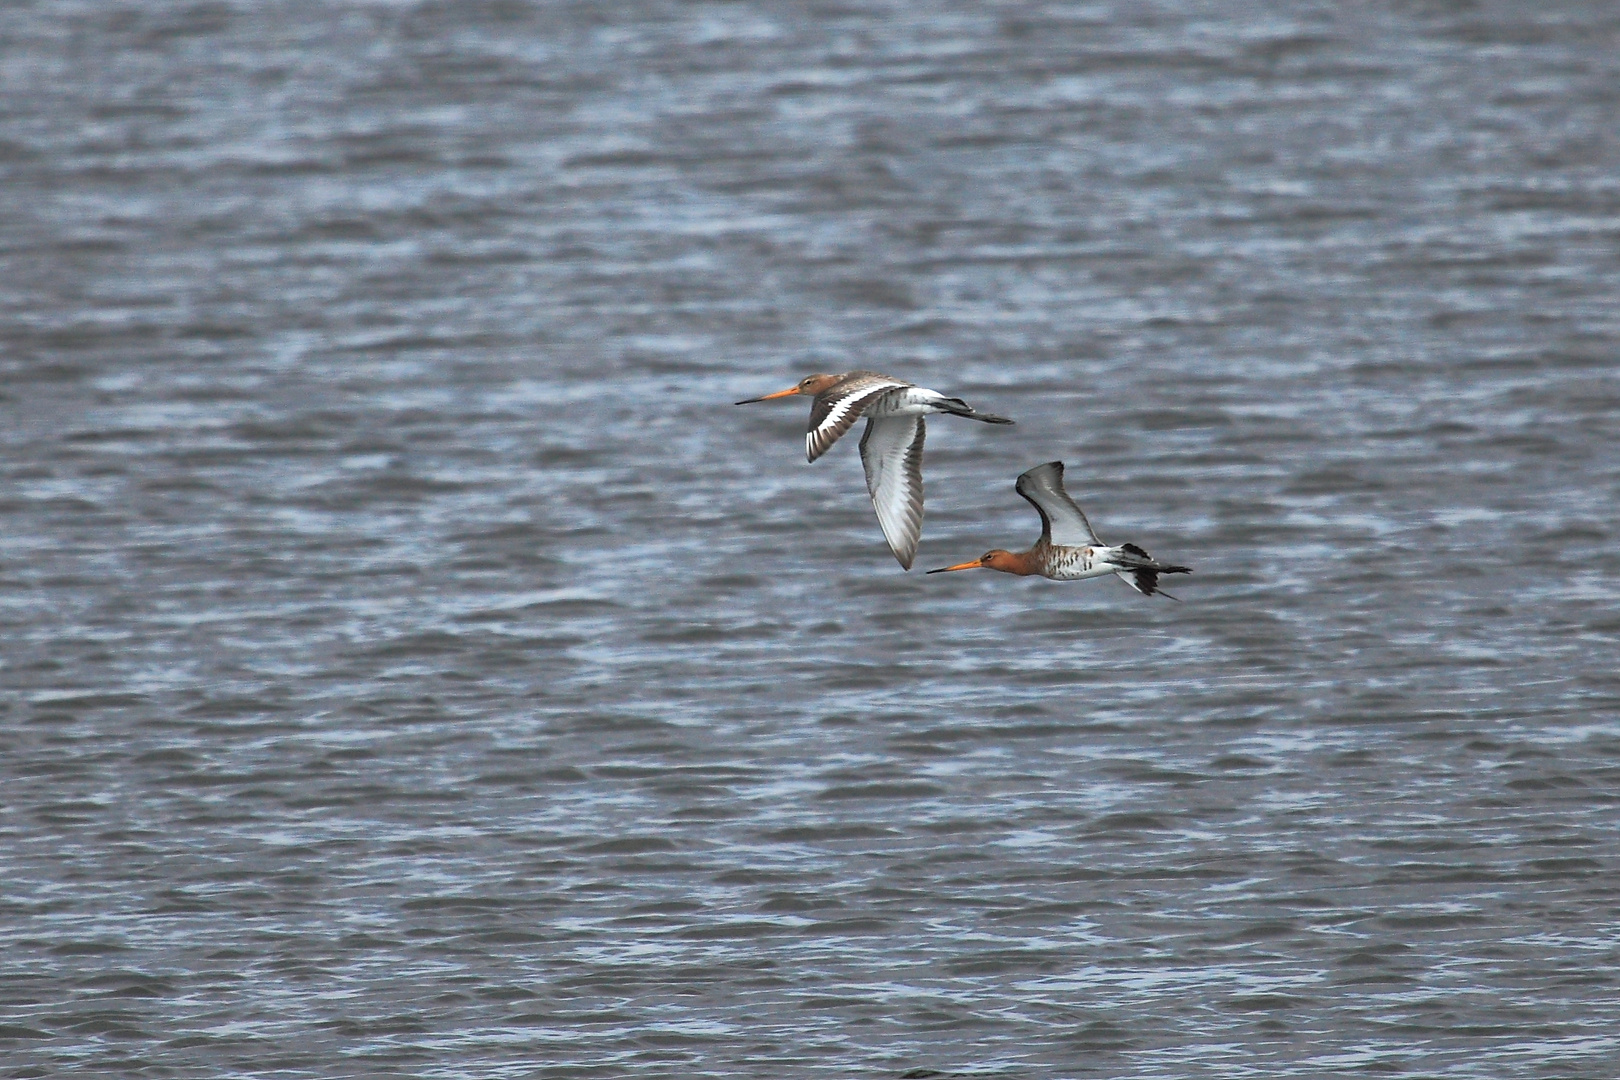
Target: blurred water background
{"x":414,"y":666}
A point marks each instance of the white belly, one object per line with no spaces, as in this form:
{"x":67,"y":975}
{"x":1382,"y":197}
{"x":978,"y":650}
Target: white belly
{"x":1075,"y":563}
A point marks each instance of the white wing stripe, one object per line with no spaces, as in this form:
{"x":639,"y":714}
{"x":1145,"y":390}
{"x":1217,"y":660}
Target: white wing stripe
{"x":843,"y":412}
{"x":829,"y":425}
{"x":840,"y":407}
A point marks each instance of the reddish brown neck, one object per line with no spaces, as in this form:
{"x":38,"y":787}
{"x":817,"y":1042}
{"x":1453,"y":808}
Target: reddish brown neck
{"x":1027,"y":563}
{"x":1022,"y":563}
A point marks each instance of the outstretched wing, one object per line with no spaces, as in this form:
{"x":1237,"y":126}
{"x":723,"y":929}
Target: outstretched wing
{"x":1063,"y":523}
{"x":891,"y":450}
{"x":835,"y":410}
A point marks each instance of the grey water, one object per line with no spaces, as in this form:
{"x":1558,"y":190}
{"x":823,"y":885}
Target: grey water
{"x":411,"y":663}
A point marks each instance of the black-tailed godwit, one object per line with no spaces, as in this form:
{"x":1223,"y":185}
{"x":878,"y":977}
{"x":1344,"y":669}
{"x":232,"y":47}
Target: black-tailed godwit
{"x":1068,"y":549}
{"x":891,"y":448}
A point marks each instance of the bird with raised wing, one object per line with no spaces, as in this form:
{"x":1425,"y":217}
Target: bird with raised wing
{"x":1068,"y":549}
{"x":891,"y":448}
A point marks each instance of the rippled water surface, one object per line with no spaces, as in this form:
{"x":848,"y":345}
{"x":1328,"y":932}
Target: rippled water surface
{"x":414,"y":666}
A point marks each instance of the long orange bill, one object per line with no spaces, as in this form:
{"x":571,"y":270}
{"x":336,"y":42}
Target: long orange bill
{"x":974,"y":565}
{"x":780,"y":393}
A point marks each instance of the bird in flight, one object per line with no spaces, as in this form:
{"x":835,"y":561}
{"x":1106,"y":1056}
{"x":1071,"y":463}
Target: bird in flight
{"x":1068,"y":549}
{"x":891,"y":448}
